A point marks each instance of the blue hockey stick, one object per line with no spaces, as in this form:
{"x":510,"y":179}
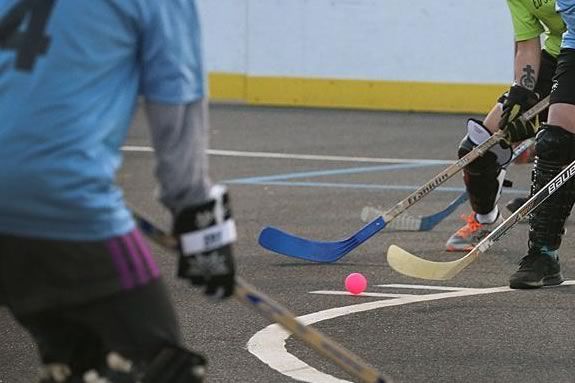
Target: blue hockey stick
{"x":285,"y":243}
{"x":282,"y":242}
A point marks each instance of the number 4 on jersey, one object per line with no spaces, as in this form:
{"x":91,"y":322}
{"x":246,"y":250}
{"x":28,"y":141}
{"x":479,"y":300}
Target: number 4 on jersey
{"x":31,"y":41}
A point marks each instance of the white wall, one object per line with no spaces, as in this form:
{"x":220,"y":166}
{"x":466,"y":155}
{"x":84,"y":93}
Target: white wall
{"x":454,"y":41}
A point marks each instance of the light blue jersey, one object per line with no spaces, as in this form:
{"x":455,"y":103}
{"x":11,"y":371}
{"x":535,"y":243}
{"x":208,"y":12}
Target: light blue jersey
{"x":567,"y":10}
{"x":70,"y":73}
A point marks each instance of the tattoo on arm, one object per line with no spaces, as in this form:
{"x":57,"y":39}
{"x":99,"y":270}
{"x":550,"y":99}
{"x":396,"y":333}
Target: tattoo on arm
{"x":528,"y":78}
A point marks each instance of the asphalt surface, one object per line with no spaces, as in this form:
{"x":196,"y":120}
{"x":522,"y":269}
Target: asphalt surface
{"x":487,"y":335}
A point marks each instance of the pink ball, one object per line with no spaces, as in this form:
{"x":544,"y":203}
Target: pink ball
{"x":355,"y":283}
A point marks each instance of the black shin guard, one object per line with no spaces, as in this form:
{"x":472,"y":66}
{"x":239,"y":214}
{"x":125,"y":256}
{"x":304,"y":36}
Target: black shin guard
{"x":483,"y":177}
{"x":555,"y":148}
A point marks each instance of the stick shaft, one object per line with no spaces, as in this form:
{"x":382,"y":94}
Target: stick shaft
{"x":309,"y":335}
{"x":532,"y":203}
{"x":406,"y":222}
{"x":529,"y":206}
{"x":272,"y":310}
{"x":453,"y":169}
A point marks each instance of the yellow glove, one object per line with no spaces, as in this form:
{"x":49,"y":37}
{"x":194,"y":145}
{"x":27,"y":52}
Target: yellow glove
{"x":518,"y":101}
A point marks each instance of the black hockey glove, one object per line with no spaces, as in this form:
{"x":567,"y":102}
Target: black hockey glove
{"x":518,"y":101}
{"x":206,"y":233}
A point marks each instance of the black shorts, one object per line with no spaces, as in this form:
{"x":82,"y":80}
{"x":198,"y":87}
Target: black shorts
{"x":81,"y":300}
{"x":563,"y":90}
{"x":39,"y":274}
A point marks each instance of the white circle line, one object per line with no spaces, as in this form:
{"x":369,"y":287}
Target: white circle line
{"x":268,"y":344}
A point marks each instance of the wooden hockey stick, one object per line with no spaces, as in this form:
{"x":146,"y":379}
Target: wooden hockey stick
{"x":406,"y":222}
{"x":413,"y":266}
{"x":272,"y":310}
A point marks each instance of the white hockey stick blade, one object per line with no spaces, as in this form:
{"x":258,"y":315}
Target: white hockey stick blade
{"x":404,"y":222}
{"x":413,"y":266}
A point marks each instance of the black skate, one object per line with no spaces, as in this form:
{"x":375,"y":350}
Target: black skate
{"x":537,"y":269}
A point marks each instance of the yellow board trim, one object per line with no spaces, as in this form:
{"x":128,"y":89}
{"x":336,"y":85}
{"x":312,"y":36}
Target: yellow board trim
{"x":227,"y":86}
{"x":355,"y":94}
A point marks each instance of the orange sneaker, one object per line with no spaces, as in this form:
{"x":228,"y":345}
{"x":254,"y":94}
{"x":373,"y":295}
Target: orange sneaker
{"x":468,"y":236}
{"x":528,"y":156}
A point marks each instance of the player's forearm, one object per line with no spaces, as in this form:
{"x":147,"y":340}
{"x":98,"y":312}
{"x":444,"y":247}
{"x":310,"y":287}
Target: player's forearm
{"x":180,"y":139}
{"x":527,"y":62}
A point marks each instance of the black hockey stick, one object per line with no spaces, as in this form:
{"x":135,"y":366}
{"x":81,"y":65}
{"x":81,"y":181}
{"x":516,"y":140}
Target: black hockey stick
{"x":248,"y":294}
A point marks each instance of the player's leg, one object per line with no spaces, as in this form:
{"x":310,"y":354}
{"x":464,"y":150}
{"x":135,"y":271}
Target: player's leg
{"x":68,"y":349}
{"x":540,"y":267}
{"x":84,"y":302}
{"x":483,"y":180}
{"x":126,"y":338}
{"x":139,"y":331}
{"x":140,"y":334}
{"x":555,"y":148}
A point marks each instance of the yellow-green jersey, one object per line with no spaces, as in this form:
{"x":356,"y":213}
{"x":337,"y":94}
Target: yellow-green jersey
{"x":531,"y":18}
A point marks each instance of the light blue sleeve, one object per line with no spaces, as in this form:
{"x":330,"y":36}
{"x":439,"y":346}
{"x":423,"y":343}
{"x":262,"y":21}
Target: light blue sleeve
{"x":171,"y":56}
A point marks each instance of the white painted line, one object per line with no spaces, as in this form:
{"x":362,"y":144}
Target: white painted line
{"x":268,"y":345}
{"x":364,"y":294}
{"x":143,"y":149}
{"x":316,"y":157}
{"x":292,"y":156}
{"x":426,"y":287}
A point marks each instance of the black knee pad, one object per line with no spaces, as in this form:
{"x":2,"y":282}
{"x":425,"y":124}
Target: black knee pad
{"x":555,"y":145}
{"x":477,"y":133}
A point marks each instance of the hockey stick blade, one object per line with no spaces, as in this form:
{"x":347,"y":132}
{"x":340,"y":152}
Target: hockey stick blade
{"x":408,"y":264}
{"x":275,"y":312}
{"x":406,"y":222}
{"x":413,"y":266}
{"x":285,"y":243}
{"x":281,"y":242}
